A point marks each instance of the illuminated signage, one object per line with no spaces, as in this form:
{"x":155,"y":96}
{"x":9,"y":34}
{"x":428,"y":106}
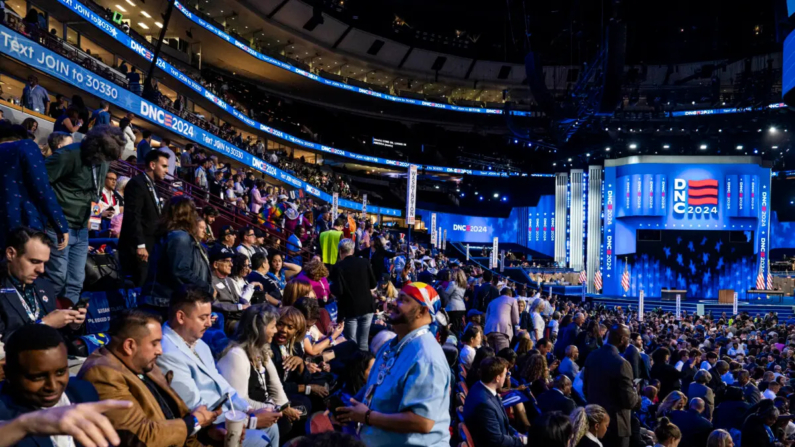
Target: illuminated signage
{"x":472,"y":228}
{"x":695,"y":197}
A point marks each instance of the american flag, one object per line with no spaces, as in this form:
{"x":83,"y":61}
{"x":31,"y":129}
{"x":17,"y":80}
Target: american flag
{"x":583,"y":278}
{"x":597,"y":281}
{"x":760,"y":280}
{"x":769,"y":277}
{"x":625,"y":279}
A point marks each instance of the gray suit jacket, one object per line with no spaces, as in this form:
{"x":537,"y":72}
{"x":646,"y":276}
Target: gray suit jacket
{"x":705,"y":393}
{"x":752,"y":393}
{"x":607,"y":381}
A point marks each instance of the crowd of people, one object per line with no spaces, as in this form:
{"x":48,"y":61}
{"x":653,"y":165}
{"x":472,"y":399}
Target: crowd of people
{"x":343,"y":328}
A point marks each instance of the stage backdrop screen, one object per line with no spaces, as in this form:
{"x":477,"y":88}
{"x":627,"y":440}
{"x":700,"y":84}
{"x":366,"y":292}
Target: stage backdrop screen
{"x":681,"y":194}
{"x":532,"y":227}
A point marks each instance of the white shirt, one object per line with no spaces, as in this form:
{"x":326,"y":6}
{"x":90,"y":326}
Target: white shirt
{"x":679,"y":365}
{"x":768,"y":394}
{"x":493,"y":392}
{"x":593,"y":438}
{"x":705,"y":365}
{"x":107,"y":199}
{"x":62,"y":440}
{"x":467,"y":356}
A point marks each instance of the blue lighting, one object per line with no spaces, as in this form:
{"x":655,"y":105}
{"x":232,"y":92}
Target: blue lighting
{"x":481,"y":197}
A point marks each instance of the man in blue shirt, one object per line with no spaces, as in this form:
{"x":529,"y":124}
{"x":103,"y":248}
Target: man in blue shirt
{"x":145,"y":145}
{"x":35,"y":97}
{"x":102,"y":114}
{"x":407,"y":397}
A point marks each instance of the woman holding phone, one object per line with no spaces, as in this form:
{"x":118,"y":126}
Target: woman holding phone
{"x":248,"y":366}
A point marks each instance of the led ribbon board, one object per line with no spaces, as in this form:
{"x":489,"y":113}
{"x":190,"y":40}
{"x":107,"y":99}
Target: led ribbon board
{"x":26,"y":51}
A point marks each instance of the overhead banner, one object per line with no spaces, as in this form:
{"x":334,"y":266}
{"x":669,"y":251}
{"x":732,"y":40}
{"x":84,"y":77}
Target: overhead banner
{"x":411,"y":195}
{"x":494,"y":251}
{"x":433,"y":229}
{"x":335,"y":203}
{"x":36,"y":56}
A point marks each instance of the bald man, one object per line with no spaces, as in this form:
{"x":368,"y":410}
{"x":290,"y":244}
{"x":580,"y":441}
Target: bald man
{"x":607,"y":381}
{"x":694,"y":426}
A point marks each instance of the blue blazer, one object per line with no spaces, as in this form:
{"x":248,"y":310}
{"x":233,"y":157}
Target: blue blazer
{"x":78,"y":391}
{"x":12,"y":313}
{"x":486,"y":419}
{"x":25,"y":191}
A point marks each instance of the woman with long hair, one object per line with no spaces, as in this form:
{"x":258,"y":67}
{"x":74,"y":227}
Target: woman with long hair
{"x":247,"y":364}
{"x":536,"y":307}
{"x":69,"y":121}
{"x":315,"y":342}
{"x":456,"y":308}
{"x":675,"y":400}
{"x":295,"y":289}
{"x":315,"y":272}
{"x":589,"y":425}
{"x":281,"y":271}
{"x":535,"y":372}
{"x":667,"y":374}
{"x":588,"y":341}
{"x":178,"y":258}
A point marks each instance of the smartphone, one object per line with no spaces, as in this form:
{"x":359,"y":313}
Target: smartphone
{"x":81,"y":304}
{"x":317,"y":359}
{"x":219,"y":403}
{"x":333,"y":402}
{"x":283,"y":407}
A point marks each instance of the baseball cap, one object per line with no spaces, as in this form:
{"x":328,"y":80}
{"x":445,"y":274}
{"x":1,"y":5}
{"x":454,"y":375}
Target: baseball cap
{"x":221,"y":253}
{"x":473,"y":312}
{"x":227,"y":230}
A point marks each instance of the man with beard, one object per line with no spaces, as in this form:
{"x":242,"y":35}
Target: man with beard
{"x":126,"y":370}
{"x":196,"y":378}
{"x":407,"y":396}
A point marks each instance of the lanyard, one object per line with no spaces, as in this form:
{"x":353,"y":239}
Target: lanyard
{"x":389,"y":357}
{"x":32,"y":314}
{"x":151,"y":188}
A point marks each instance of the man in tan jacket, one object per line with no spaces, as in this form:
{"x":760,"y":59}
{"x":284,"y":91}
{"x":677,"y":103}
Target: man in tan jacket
{"x":126,"y":370}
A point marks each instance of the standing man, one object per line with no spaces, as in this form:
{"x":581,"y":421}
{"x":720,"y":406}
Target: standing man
{"x":632,"y":354}
{"x":142,"y":216}
{"x":26,"y":194}
{"x":750,"y":391}
{"x":352,"y":282}
{"x":329,"y":241}
{"x":77,"y":173}
{"x":101,"y":116}
{"x":407,"y":397}
{"x":502,"y":315}
{"x":607,"y":381}
{"x":145,"y":145}
{"x":35,"y":97}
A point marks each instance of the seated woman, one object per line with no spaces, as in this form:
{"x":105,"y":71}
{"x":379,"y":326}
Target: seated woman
{"x":295,"y":289}
{"x":314,"y":342}
{"x":281,"y":271}
{"x":288,"y":357}
{"x":248,"y":366}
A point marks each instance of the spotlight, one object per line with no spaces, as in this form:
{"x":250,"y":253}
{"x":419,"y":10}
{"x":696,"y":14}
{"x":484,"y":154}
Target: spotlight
{"x":665,"y":146}
{"x":775,"y":147}
{"x":703,"y":146}
{"x":481,"y":197}
{"x":569,"y":159}
{"x":739,"y":147}
{"x":607,"y":149}
{"x":496,"y":195}
{"x":633,"y":146}
{"x":588,"y":154}
{"x":772,"y":129}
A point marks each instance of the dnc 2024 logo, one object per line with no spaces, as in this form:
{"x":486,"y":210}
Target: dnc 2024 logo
{"x":696,"y":197}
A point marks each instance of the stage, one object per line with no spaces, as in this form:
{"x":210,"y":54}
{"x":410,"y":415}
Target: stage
{"x":785,"y":309}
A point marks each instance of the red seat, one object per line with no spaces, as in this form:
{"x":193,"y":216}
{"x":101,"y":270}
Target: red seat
{"x":463,"y":431}
{"x":319,"y":423}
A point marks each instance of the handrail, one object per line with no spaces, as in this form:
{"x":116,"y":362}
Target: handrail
{"x":169,"y":188}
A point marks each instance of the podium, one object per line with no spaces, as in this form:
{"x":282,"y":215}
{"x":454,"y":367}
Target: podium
{"x":726,"y":296}
{"x":670,"y":295}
